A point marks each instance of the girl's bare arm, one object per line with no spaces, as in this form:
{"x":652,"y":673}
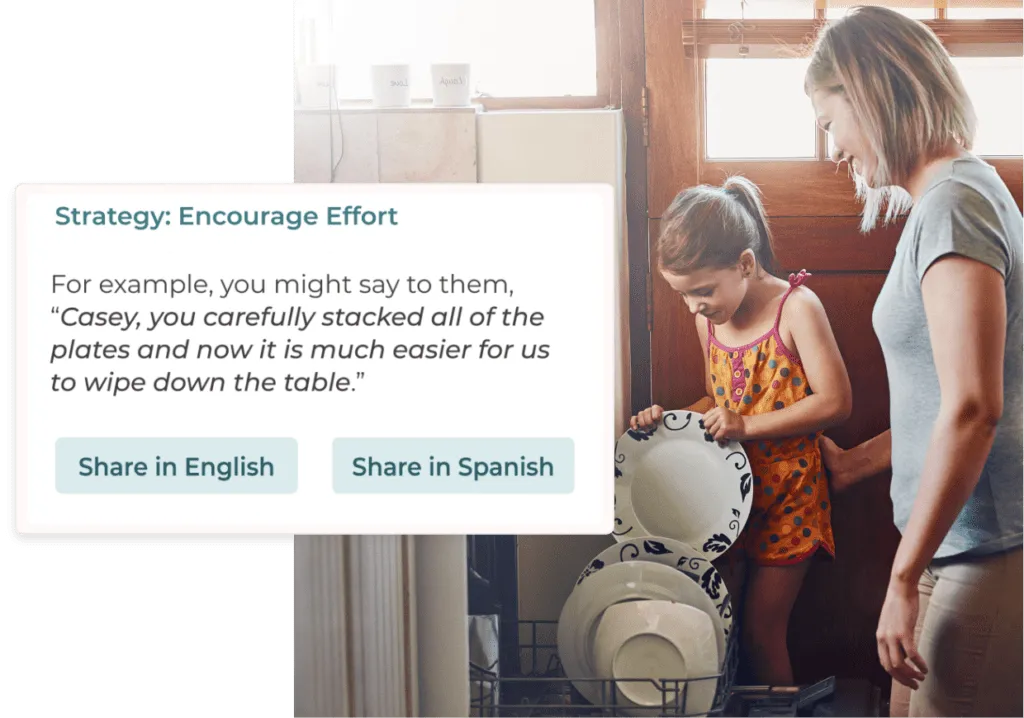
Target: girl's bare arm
{"x":831,"y":399}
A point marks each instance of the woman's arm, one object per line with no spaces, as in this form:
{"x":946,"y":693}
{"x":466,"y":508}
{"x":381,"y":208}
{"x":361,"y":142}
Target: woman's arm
{"x":832,"y":400}
{"x":849,"y":467}
{"x":965,"y":302}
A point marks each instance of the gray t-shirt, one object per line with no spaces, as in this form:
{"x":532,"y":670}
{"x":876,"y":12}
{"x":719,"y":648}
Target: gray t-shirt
{"x":968,"y":211}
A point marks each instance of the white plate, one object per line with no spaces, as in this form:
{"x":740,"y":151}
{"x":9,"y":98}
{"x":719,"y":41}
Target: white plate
{"x":630,"y":581}
{"x":659,"y":640}
{"x":677,"y":555}
{"x":678,"y":482}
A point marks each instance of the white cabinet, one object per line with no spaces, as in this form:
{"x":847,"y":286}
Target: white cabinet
{"x":312,"y":146}
{"x":403,"y":145}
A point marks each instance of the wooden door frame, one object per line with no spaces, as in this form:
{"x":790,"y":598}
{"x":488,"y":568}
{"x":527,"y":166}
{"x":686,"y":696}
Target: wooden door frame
{"x":633,"y":88}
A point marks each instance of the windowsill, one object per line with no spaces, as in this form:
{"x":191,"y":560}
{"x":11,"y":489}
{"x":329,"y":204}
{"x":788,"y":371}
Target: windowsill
{"x":356,"y":108}
{"x":479,"y":104}
{"x":427,"y":107}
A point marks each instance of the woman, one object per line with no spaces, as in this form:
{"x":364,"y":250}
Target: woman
{"x":949,"y":322}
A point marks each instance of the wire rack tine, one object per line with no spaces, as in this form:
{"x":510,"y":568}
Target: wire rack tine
{"x":551,"y":693}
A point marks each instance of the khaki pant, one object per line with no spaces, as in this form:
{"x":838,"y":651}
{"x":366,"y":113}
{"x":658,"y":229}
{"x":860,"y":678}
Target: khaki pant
{"x":969,"y":633}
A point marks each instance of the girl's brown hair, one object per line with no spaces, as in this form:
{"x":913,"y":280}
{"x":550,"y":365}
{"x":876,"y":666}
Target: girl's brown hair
{"x":710,"y":227}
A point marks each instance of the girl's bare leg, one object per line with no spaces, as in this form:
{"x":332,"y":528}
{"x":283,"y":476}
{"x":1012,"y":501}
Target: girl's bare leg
{"x":771,"y":593}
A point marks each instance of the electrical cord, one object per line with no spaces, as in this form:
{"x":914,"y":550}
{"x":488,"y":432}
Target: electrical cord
{"x":334,"y":109}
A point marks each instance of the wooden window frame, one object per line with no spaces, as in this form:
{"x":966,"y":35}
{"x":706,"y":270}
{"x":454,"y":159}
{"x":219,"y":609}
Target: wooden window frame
{"x":607,"y":51}
{"x":792,"y":186}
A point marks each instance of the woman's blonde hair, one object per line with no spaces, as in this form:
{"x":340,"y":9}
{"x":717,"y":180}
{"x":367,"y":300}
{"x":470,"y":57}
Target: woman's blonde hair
{"x":905,"y":94}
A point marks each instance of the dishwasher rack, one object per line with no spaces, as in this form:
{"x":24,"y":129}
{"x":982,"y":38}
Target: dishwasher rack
{"x":537,"y":685}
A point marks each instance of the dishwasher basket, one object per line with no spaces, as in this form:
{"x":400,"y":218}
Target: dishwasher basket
{"x":537,"y":686}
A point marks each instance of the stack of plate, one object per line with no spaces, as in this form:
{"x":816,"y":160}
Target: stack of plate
{"x":652,"y":612}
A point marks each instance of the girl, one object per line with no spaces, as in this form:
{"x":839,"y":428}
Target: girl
{"x":949,"y":323}
{"x":777,"y":380}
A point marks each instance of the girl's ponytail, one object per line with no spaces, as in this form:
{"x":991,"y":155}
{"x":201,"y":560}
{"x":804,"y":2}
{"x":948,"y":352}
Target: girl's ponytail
{"x":747,"y":194}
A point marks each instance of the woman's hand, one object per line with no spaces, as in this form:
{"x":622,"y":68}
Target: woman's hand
{"x":839,"y":476}
{"x":725,"y":425}
{"x":897,"y":645}
{"x":646,"y":418}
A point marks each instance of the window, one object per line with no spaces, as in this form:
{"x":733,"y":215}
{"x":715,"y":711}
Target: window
{"x":752,"y":9}
{"x":750,"y":72}
{"x":918,"y":13}
{"x":803,"y":9}
{"x":994,"y":86}
{"x":526,"y":48}
{"x":917,"y":9}
{"x":984,"y":13}
{"x":757,"y":108}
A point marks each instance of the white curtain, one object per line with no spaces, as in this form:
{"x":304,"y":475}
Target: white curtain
{"x":380,"y":626}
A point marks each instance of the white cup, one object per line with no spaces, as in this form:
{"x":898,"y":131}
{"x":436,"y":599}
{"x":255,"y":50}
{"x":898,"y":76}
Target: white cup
{"x":391,"y":85}
{"x":450,"y":84}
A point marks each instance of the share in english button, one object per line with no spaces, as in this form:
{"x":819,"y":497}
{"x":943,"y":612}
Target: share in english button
{"x":176,"y":466}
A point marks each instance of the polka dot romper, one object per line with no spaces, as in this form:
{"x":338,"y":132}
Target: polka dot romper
{"x":791,"y":515}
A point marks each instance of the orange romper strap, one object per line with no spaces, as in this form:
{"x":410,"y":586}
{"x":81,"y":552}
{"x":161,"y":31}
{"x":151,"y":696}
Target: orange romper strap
{"x":795,"y":280}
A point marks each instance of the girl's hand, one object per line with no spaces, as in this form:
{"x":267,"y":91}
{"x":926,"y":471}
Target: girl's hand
{"x":725,"y":425}
{"x":646,"y":418}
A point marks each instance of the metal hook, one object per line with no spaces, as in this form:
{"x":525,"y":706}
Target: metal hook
{"x":736,"y":30}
